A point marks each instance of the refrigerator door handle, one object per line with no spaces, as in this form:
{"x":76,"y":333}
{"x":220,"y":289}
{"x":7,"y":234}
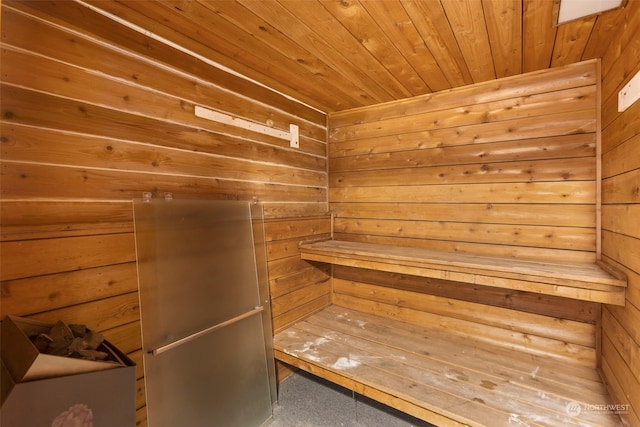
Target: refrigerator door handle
{"x":191,"y":337}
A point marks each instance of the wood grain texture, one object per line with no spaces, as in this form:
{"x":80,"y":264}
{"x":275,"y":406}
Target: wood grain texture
{"x":468,"y":23}
{"x":504,"y":27}
{"x":427,"y":370}
{"x":297,"y":289}
{"x":88,"y":21}
{"x":554,"y":307}
{"x":571,"y":280}
{"x":394,"y":20}
{"x":464,"y":311}
{"x":95,"y":112}
{"x":50,"y":219}
{"x":572,"y":39}
{"x":621,"y":201}
{"x":338,"y":55}
{"x":92,"y":118}
{"x":523,"y":85}
{"x":539,"y":34}
{"x":524,"y":141}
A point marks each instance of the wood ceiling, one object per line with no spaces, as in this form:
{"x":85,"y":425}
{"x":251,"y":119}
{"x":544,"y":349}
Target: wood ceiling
{"x":340,"y":54}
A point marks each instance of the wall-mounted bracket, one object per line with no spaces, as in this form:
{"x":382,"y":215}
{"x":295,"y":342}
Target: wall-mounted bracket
{"x":629,"y":94}
{"x":292,"y":136}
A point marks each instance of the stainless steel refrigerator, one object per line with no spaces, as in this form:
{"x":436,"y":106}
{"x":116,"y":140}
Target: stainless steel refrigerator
{"x":206,"y":323}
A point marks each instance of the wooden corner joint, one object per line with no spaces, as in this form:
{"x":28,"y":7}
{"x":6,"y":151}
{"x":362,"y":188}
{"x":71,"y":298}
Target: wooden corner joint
{"x":613,"y":271}
{"x":311,"y":241}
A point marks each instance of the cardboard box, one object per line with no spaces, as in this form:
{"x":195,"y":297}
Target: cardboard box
{"x":26,"y":363}
{"x":44,"y":390}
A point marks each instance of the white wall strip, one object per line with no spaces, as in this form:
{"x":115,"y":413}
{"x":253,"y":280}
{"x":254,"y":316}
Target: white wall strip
{"x":185,"y":50}
{"x":216,"y":116}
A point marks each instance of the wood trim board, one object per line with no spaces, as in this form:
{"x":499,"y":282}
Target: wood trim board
{"x":438,"y":376}
{"x":584,"y":281}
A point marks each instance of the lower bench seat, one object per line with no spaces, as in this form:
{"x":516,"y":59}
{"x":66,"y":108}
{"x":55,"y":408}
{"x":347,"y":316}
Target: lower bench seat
{"x":441,"y":377}
{"x":595,"y":282}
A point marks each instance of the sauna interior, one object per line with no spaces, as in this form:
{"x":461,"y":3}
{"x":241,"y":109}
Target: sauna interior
{"x":455,"y":232}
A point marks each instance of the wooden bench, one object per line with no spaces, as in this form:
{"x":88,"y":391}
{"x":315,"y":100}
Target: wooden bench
{"x":439,"y":374}
{"x":440,"y":377}
{"x":596,"y":282}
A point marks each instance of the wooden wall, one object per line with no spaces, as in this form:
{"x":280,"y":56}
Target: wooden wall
{"x":297,"y":287}
{"x":621,"y":213}
{"x":94,"y":114}
{"x":506,"y":167}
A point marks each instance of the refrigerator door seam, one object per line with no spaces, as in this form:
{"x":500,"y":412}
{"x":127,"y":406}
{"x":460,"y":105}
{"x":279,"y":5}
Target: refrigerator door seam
{"x":192,"y":337}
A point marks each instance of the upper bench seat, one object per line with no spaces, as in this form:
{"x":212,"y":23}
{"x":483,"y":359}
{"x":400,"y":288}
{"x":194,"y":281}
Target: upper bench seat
{"x":597,"y":282}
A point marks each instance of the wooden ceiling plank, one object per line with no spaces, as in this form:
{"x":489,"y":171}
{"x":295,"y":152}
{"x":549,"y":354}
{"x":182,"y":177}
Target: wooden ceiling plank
{"x":626,"y":47}
{"x":607,"y":24}
{"x":538,"y":35}
{"x":571,"y":41}
{"x":619,"y":65}
{"x":364,"y":91}
{"x":102,"y":27}
{"x":560,"y":78}
{"x":431,"y":22}
{"x":217,"y":38}
{"x":28,"y":34}
{"x":466,"y":19}
{"x":504,"y":25}
{"x":329,"y":35}
{"x":322,"y":78}
{"x":314,"y":56}
{"x":395,"y":22}
{"x":355,"y":18}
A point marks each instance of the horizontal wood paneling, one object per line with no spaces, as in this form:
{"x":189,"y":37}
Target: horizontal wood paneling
{"x":620,"y":213}
{"x":74,"y":100}
{"x":530,"y":324}
{"x":566,"y":329}
{"x":74,"y":262}
{"x":100,"y":116}
{"x":94,"y":114}
{"x":39,"y":110}
{"x":337,"y":55}
{"x":504,"y":213}
{"x":573,"y":104}
{"x":40,"y":220}
{"x":423,"y":369}
{"x":559,"y":238}
{"x":34,"y":181}
{"x":526,"y":343}
{"x":524,"y":85}
{"x":582,"y":192}
{"x":585,"y":281}
{"x":502,"y":168}
{"x":35,"y":145}
{"x":38,"y":257}
{"x":51,"y":291}
{"x":99,"y":315}
{"x":559,"y":308}
{"x":529,"y":182}
{"x":80,"y":18}
{"x":297,"y":288}
{"x":450,"y":173}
